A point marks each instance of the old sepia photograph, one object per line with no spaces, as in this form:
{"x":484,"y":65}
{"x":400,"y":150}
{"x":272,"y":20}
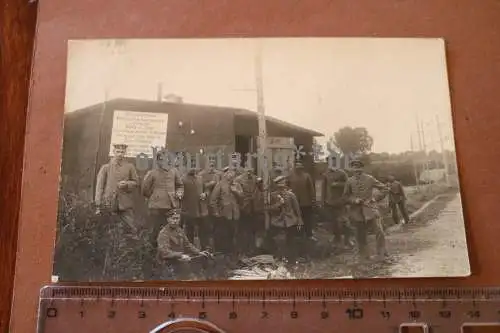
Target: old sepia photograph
{"x":258,"y":159}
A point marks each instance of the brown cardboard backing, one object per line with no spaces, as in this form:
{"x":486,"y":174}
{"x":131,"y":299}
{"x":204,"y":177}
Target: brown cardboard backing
{"x":470,"y":30}
{"x":17,"y":23}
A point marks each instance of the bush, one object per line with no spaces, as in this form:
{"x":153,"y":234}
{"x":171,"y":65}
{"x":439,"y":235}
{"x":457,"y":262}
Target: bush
{"x":83,"y":245}
{"x":78,"y":242}
{"x":403,"y":172}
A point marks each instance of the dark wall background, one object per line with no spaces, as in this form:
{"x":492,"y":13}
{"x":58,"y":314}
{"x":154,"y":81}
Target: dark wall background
{"x":87,"y":137}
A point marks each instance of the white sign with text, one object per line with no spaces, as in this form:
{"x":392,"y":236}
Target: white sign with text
{"x":139,"y":130}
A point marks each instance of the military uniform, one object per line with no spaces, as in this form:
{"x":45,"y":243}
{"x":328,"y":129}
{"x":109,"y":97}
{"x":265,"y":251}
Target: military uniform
{"x":172,"y":244}
{"x":161,"y":187}
{"x":110,"y":198}
{"x":247,"y":224}
{"x":302,"y":185}
{"x":276,"y":171}
{"x":364,"y":212}
{"x":195,"y":209}
{"x":334,"y":203}
{"x":224,"y":201}
{"x":238,"y":170}
{"x":116,"y":206}
{"x":259,"y":204}
{"x":210,"y":178}
{"x":397,"y":200}
{"x":285,"y":218}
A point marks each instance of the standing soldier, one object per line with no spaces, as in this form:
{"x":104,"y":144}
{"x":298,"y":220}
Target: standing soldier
{"x":302,"y":185}
{"x":180,"y":163}
{"x":224,"y":203}
{"x":259,"y":204}
{"x":246,"y":225}
{"x":364,"y":211}
{"x":235,"y":164}
{"x":164,"y":189}
{"x":285,"y":218}
{"x":224,"y":170}
{"x":397,"y":200}
{"x":194,"y":209}
{"x":116,"y":181}
{"x":210,"y":177}
{"x":114,"y":200}
{"x":276,"y":170}
{"x":334,"y":203}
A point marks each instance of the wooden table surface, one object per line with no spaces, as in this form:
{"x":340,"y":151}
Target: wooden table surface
{"x":17,"y":26}
{"x":471,"y":30}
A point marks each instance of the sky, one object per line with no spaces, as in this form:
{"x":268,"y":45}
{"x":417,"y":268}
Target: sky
{"x":383,"y":84}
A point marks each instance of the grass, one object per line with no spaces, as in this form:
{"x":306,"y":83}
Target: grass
{"x":346,"y":264}
{"x":82,"y":243}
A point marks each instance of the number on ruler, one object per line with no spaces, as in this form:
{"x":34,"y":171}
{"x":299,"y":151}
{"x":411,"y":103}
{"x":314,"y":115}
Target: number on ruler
{"x":171,"y":315}
{"x":474,"y":314}
{"x":111,"y":314}
{"x":233,"y":315}
{"x":141,"y":315}
{"x":324,"y":314}
{"x":51,"y":312}
{"x":294,"y":315}
{"x":385,"y":314}
{"x":355,"y":313}
{"x":202,"y":315}
{"x":445,"y":314}
{"x":414,"y":314}
{"x":264,"y":315}
{"x":81,"y":314}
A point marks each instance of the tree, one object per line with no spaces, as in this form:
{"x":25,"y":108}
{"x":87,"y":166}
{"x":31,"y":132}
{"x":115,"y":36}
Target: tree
{"x":352,"y":141}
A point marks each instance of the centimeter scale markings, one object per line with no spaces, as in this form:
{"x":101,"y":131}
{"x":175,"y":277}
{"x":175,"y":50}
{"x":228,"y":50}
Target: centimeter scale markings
{"x":153,"y":309}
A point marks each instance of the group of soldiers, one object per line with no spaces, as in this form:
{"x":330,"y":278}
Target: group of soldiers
{"x":231,"y":214}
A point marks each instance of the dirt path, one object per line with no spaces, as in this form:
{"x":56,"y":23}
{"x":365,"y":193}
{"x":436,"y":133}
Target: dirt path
{"x":437,"y":249}
{"x":432,"y":245}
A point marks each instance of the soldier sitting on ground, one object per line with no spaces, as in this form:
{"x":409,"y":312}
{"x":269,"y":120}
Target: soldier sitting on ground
{"x":176,"y":253}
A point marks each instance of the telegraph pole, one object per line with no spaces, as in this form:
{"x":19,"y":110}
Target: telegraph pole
{"x":159,"y":92}
{"x":443,"y":152}
{"x":420,"y":147}
{"x":424,"y":146}
{"x":262,"y":148}
{"x":415,"y":171}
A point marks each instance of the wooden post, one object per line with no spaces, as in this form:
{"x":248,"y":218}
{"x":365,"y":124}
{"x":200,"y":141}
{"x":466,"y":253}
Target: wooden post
{"x":262,"y":147}
{"x":415,"y":171}
{"x":159,"y":92}
{"x":443,"y":153}
{"x":424,"y":146}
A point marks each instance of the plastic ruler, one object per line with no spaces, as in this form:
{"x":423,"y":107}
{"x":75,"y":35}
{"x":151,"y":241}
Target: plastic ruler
{"x":78,"y":309}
